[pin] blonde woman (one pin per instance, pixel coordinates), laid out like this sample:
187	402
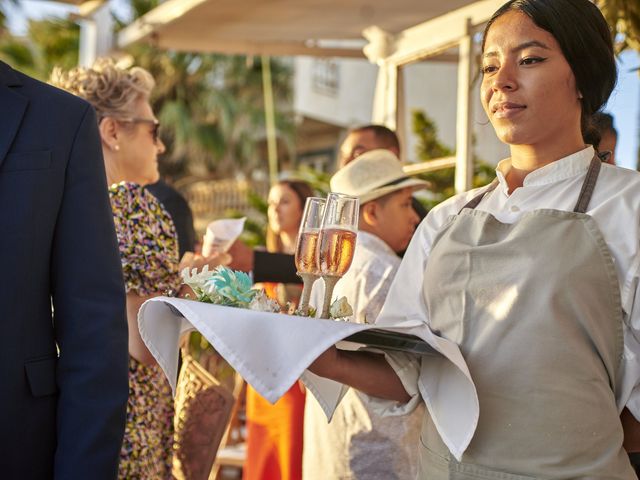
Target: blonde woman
147	242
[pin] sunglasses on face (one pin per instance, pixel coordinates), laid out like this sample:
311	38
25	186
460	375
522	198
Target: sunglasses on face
155	133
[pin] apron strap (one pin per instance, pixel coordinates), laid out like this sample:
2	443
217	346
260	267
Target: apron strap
475	201
589	185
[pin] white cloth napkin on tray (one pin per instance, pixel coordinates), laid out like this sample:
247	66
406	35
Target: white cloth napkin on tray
269	350
272	351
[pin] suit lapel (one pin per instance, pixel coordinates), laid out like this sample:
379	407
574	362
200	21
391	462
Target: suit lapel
13	106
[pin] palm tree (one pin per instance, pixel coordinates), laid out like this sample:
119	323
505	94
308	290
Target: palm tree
12	50
47	43
53	42
212	106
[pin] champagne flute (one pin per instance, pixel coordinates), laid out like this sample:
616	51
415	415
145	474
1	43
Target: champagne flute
306	257
337	241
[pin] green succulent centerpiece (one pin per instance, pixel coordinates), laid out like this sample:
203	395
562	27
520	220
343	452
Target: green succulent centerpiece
232	288
227	287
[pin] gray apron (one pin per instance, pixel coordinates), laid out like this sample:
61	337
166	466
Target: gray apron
535	308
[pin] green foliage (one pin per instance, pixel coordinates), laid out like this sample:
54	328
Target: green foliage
254	233
56	43
211	107
258	203
17	54
48	43
430	147
140	7
624	18
318	180
255	227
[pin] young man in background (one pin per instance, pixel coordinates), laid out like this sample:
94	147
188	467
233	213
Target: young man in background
358	443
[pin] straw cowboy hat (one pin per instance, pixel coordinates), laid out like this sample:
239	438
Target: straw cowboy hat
372	175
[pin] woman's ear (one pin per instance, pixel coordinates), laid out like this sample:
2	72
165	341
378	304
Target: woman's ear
109	133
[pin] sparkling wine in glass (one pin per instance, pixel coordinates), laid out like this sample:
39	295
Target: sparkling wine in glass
336	242
306	256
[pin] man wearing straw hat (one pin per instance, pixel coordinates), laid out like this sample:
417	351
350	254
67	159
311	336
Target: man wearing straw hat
358	444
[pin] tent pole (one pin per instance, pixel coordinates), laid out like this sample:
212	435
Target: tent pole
270	119
464	153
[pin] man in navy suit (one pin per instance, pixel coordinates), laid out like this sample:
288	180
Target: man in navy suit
63	361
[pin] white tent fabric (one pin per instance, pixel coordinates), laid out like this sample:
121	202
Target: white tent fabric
277	27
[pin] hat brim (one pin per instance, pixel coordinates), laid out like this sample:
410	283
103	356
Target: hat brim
413	183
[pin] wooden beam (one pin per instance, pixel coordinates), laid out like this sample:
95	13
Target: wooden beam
88	8
435	36
464	152
429	165
161	15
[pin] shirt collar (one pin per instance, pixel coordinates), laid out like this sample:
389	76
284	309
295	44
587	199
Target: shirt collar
375	243
570	166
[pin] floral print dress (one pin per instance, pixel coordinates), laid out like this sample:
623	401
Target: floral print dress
149	255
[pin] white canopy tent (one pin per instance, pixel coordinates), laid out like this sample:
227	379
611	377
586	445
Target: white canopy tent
390	34
277	27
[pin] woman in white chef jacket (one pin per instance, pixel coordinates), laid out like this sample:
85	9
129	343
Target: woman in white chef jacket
534	277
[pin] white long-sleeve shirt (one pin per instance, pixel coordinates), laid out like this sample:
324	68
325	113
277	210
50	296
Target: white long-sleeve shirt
615	207
358	443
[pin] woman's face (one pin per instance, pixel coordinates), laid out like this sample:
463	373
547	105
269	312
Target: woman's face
284	210
528	89
139	148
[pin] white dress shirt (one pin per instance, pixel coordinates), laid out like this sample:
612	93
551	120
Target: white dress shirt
358	443
615	207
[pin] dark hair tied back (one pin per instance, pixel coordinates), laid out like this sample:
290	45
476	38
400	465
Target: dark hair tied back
586	42
301	188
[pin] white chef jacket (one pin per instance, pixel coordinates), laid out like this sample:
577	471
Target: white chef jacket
615	207
358	443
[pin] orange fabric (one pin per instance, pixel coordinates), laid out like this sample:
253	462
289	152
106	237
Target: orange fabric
274	436
274	432
270	289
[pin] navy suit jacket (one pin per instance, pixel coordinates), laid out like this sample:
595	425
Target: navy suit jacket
63	362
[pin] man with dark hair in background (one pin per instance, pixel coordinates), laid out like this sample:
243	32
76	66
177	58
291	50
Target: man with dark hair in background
603	136
608	135
371	137
363	139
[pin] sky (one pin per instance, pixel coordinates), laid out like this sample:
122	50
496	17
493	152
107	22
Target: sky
624	103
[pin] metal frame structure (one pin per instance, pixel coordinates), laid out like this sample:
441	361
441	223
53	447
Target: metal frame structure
454	30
